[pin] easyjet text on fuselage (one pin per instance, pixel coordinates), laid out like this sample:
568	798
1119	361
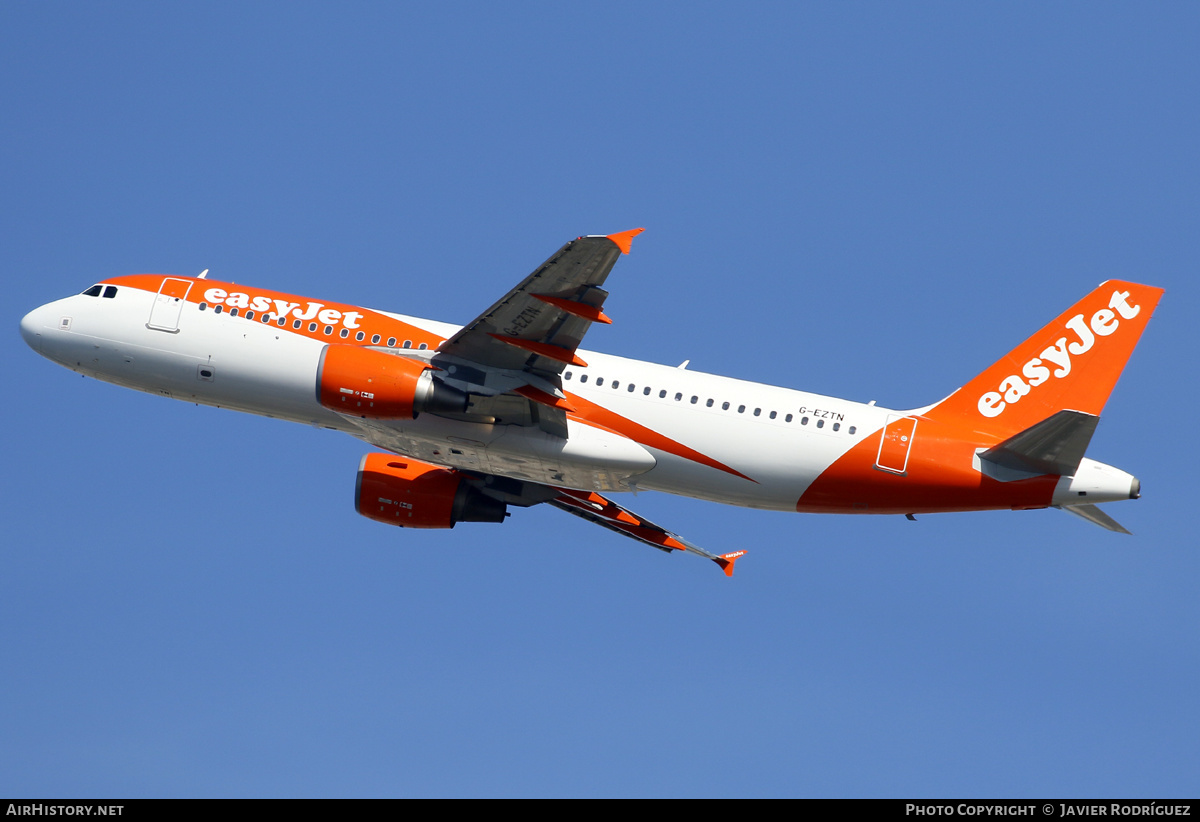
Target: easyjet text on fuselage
283	308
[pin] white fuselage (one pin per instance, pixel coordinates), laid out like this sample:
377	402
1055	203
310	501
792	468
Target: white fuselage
780	438
671	429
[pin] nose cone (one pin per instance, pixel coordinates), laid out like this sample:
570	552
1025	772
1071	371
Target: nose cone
32	326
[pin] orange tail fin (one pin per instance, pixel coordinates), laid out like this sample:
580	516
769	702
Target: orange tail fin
1072	363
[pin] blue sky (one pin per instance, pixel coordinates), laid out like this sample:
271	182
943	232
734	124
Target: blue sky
873	201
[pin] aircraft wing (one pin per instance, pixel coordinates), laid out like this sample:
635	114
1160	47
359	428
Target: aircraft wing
602	511
521	345
538	325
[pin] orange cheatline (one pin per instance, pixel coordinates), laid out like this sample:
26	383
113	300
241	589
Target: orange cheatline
543	398
595	414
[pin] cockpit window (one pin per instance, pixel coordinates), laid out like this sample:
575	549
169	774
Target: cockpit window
94	291
110	291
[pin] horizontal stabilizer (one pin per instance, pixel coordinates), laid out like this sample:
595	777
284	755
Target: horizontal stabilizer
1053	446
1093	514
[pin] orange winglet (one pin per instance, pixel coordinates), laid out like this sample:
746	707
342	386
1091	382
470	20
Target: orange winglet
587	312
554	352
726	561
624	239
539	396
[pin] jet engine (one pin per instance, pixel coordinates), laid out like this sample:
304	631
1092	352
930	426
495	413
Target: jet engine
368	383
400	491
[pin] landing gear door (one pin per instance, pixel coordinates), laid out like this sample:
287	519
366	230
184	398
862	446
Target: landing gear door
894	444
168	304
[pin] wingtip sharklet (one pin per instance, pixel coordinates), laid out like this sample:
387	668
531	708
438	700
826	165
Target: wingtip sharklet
624	239
726	561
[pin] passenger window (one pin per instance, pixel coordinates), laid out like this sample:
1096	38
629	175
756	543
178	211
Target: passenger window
741	409
646	391
694	398
820	423
662	394
422	347
616	384
345	333
282	322
328	330
249	314
203	306
296	324
266	318
217	309
375	339
233	312
773	415
583	377
678	396
312	326
599	380
360	336
94	291
724	406
757	411
851	430
110	291
788	418
631	387
391	343
804	420
407	343
566	375
709	403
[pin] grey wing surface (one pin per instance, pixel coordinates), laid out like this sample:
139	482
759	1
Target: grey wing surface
521	344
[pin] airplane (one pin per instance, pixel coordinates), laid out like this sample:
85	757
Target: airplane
508	410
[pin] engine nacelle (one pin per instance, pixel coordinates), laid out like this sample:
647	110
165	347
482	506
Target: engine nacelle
355	380
402	491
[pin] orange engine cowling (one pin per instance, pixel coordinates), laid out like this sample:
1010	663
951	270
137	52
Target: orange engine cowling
411	494
364	382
